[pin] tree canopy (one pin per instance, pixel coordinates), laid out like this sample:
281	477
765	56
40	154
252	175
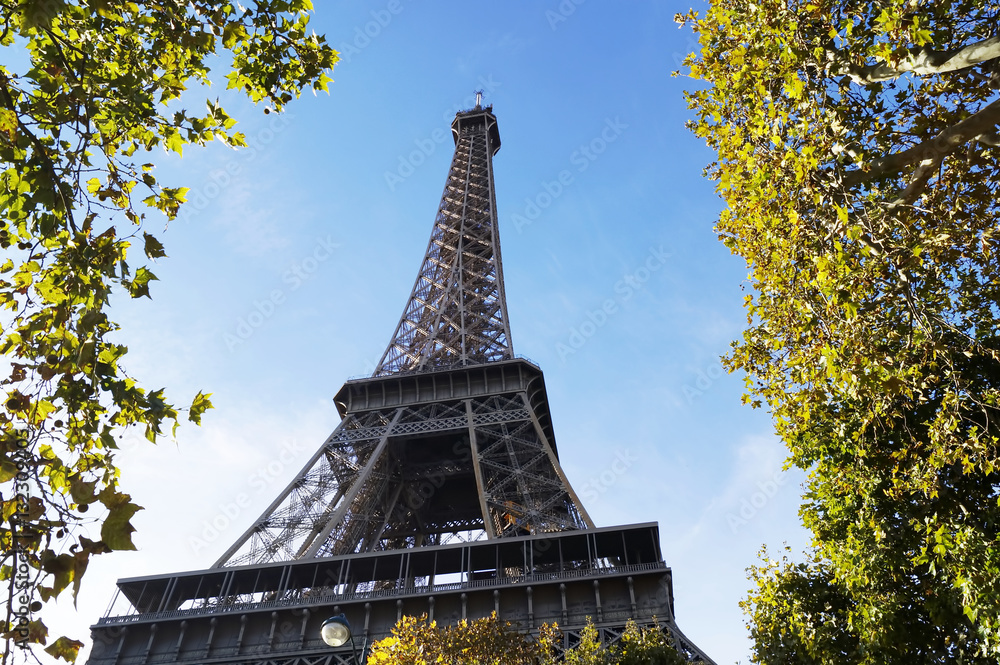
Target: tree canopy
857	157
492	641
90	91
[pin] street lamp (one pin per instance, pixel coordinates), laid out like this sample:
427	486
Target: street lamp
336	631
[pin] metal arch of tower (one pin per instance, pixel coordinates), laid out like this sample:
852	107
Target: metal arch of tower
457	311
421	459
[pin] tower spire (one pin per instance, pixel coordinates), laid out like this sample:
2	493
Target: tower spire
457	311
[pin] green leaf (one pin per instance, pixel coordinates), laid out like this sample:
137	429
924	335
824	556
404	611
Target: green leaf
65	648
61	567
8	470
117	530
232	33
8	122
199	406
81	491
153	247
174	142
139	285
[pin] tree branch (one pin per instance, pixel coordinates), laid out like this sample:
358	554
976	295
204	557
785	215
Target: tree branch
992	140
924	62
979	126
40	150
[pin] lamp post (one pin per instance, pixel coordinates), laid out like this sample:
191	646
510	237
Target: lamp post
336	631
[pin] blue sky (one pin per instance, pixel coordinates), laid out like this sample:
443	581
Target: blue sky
287	274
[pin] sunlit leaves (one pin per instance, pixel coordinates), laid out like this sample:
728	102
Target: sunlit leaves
64	648
199	406
873	317
421	642
88	99
490	641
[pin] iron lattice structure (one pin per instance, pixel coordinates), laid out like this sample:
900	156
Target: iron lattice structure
457	311
440	492
424	471
416	472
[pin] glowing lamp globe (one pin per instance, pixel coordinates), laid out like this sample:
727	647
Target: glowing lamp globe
336	631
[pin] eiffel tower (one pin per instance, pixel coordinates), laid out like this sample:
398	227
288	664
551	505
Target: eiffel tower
439	493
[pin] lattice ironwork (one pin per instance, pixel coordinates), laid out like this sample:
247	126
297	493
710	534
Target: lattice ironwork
524	488
418	475
304	509
429	473
457	312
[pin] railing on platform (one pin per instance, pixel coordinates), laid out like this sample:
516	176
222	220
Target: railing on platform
395	592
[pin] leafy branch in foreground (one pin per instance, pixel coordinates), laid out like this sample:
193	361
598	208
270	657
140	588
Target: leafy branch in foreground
857	154
100	87
493	641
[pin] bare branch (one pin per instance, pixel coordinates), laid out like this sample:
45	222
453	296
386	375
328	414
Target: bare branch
918	182
924	62
977	127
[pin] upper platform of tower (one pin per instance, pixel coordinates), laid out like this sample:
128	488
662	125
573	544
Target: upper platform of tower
474	118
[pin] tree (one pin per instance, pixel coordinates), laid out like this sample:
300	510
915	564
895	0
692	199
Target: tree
99	91
488	641
647	645
857	156
493	641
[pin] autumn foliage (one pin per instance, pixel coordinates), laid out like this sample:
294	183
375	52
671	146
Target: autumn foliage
90	92
857	157
491	641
